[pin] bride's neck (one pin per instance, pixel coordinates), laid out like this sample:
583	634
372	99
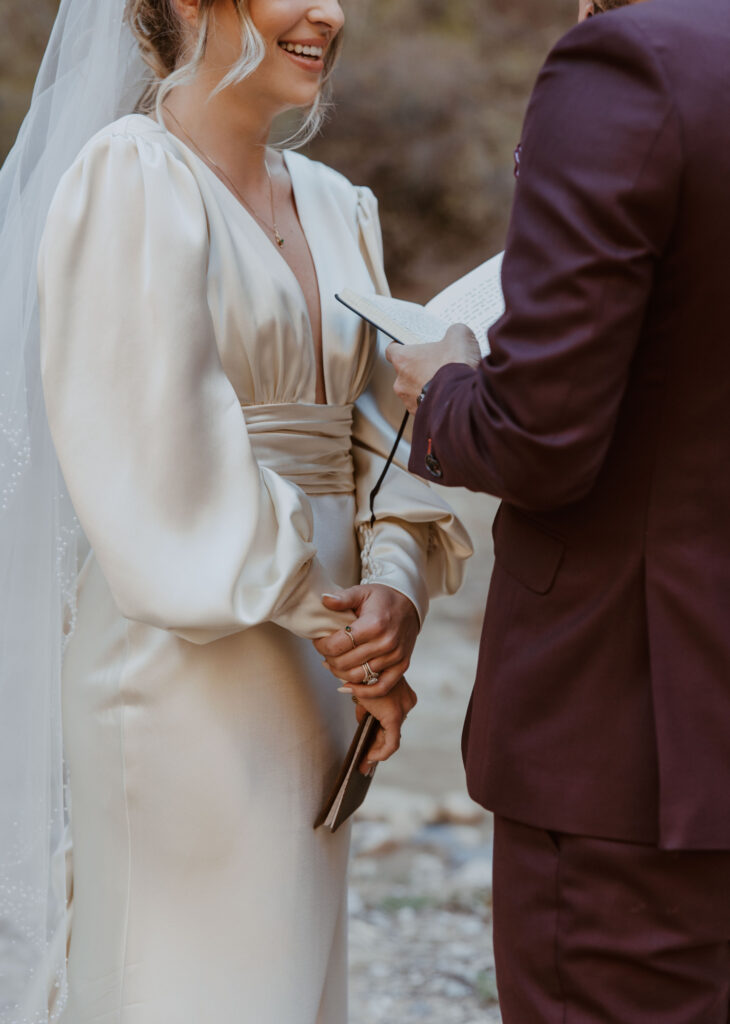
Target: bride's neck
230	132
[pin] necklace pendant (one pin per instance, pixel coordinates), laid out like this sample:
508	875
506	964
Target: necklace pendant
279	239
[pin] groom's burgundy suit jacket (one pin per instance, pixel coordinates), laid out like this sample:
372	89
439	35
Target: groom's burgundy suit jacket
602	419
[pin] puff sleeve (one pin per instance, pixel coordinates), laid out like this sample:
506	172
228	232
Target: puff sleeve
417	545
191	534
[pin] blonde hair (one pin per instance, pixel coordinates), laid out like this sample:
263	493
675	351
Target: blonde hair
162	40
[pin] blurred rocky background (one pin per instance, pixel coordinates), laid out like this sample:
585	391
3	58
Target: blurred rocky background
430	97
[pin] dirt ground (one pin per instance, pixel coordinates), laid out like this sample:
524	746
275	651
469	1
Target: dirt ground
420	889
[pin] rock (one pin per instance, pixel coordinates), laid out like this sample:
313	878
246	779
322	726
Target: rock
427	872
379	969
458	843
475	875
473	926
362	869
355	904
459	809
455	989
461	952
406	812
374	837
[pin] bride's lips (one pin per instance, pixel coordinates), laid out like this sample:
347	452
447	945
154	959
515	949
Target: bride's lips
305	53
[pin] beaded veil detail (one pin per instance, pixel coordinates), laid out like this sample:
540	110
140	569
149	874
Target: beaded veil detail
90	74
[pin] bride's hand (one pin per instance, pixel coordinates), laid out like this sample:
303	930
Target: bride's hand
383	636
391	712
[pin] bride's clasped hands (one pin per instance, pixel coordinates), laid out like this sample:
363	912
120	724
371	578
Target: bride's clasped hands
371	655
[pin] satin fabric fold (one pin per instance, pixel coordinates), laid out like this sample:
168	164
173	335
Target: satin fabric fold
309	445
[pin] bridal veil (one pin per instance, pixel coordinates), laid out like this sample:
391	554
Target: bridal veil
90	75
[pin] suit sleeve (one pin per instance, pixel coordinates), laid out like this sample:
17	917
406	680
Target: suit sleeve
594	209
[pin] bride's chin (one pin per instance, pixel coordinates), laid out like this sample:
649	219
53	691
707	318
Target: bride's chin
301	88
301	97
277	97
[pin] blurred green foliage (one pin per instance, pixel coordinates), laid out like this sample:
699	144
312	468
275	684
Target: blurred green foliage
429	100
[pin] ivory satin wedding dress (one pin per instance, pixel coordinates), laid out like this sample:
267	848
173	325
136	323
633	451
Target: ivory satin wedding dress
202	730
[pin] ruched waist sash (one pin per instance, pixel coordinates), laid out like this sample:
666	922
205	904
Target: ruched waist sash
308	444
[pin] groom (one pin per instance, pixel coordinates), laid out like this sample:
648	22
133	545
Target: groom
599	727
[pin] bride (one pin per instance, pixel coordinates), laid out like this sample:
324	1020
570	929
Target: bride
220	421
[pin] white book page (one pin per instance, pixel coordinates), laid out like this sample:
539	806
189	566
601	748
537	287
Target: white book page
407	322
475	300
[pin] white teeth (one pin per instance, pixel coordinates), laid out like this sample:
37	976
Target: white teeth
303	51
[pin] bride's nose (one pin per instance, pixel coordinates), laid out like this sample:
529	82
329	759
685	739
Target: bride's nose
329	13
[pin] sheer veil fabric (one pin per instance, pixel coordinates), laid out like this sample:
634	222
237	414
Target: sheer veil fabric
91	74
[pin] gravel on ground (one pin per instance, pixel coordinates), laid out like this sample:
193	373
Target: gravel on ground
421	870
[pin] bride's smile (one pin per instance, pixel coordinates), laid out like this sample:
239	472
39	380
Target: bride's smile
307	53
298	37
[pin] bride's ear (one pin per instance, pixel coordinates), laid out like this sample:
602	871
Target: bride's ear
587	10
188	10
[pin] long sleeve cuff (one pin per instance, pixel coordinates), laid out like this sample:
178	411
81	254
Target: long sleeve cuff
303	613
396	555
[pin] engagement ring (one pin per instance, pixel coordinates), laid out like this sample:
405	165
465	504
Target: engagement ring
370	676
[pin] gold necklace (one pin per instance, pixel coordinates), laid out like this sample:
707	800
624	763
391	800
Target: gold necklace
273	228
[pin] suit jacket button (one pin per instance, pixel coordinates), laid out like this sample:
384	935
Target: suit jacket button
434	466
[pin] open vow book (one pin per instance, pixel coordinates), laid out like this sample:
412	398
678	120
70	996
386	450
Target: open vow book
475	300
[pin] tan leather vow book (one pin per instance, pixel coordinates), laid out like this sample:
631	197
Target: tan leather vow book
351	787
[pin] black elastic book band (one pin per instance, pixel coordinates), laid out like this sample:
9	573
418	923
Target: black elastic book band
381	478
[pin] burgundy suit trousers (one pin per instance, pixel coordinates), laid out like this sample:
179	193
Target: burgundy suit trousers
590	931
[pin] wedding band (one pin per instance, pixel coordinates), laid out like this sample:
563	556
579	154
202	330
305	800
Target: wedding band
348	630
370	676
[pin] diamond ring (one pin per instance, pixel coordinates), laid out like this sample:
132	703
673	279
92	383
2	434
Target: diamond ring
370	676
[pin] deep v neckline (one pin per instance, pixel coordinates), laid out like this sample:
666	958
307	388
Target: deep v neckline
278	257
316	267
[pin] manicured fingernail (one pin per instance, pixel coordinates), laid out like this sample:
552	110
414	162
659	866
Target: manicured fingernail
344	689
333	596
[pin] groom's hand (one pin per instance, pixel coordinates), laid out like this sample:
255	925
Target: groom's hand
415	365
